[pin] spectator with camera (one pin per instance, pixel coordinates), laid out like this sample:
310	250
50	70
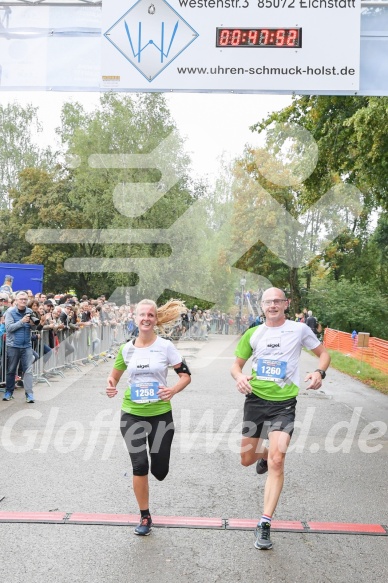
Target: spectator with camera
19	321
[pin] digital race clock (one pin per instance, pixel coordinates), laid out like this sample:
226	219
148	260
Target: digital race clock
284	38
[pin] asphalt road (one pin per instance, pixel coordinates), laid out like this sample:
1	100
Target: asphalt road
65	453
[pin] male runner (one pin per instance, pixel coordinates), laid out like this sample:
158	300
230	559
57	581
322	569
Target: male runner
271	390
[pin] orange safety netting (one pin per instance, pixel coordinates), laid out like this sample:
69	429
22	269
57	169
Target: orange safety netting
376	354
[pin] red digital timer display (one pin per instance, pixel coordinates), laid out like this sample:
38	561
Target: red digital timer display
281	38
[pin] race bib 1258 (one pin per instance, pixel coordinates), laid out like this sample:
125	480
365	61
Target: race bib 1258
145	392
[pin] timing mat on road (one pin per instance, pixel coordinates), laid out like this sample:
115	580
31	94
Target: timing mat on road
193	522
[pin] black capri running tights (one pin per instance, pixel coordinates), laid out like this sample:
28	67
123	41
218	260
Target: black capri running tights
159	431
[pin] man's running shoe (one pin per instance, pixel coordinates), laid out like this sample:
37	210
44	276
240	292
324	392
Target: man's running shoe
144	528
262	534
30	398
262	466
7	396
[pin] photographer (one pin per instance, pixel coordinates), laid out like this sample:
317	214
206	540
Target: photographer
19	320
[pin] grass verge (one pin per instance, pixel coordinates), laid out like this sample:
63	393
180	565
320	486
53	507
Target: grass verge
359	370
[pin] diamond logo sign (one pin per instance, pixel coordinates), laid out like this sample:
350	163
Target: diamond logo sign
150	35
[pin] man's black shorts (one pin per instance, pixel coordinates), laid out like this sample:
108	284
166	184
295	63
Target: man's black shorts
261	416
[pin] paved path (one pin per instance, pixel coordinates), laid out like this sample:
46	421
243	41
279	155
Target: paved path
65	454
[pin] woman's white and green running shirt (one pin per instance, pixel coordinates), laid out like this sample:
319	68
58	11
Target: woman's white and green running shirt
149	364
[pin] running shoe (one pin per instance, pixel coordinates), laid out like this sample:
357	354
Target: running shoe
30	398
262	466
7	396
144	528
262	534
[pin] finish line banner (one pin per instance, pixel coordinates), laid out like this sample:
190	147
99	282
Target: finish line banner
231	45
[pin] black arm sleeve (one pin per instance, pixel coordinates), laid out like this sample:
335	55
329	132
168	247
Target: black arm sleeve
183	368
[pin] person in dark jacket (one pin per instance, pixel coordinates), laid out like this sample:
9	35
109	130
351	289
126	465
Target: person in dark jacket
312	322
18	325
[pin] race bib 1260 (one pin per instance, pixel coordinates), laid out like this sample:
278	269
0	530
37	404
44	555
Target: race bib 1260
145	392
271	370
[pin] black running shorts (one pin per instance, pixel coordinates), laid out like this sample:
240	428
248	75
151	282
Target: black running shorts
261	416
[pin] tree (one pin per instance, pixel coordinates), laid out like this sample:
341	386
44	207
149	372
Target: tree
379	250
41	200
349	306
369	143
284	224
111	195
352	143
18	149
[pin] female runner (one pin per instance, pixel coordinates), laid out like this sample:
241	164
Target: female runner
146	410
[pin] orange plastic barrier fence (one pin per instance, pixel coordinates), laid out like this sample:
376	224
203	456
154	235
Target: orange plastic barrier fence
376	354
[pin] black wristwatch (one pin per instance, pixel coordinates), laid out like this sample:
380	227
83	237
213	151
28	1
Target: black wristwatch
321	372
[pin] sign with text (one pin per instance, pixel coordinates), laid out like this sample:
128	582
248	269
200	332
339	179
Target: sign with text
231	45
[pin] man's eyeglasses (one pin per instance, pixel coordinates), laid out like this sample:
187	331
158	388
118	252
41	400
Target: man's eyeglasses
276	302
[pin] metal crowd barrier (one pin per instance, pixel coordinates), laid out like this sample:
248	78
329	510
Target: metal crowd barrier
72	350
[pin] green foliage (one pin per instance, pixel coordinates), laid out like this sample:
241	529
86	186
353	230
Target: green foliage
348	306
287	242
41	200
350	133
17	146
82	196
137	126
369	143
351	276
379	249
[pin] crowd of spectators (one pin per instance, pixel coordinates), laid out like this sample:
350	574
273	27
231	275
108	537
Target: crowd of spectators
197	324
61	315
67	312
57	312
58	317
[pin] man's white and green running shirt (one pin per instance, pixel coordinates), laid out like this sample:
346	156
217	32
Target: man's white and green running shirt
275	355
